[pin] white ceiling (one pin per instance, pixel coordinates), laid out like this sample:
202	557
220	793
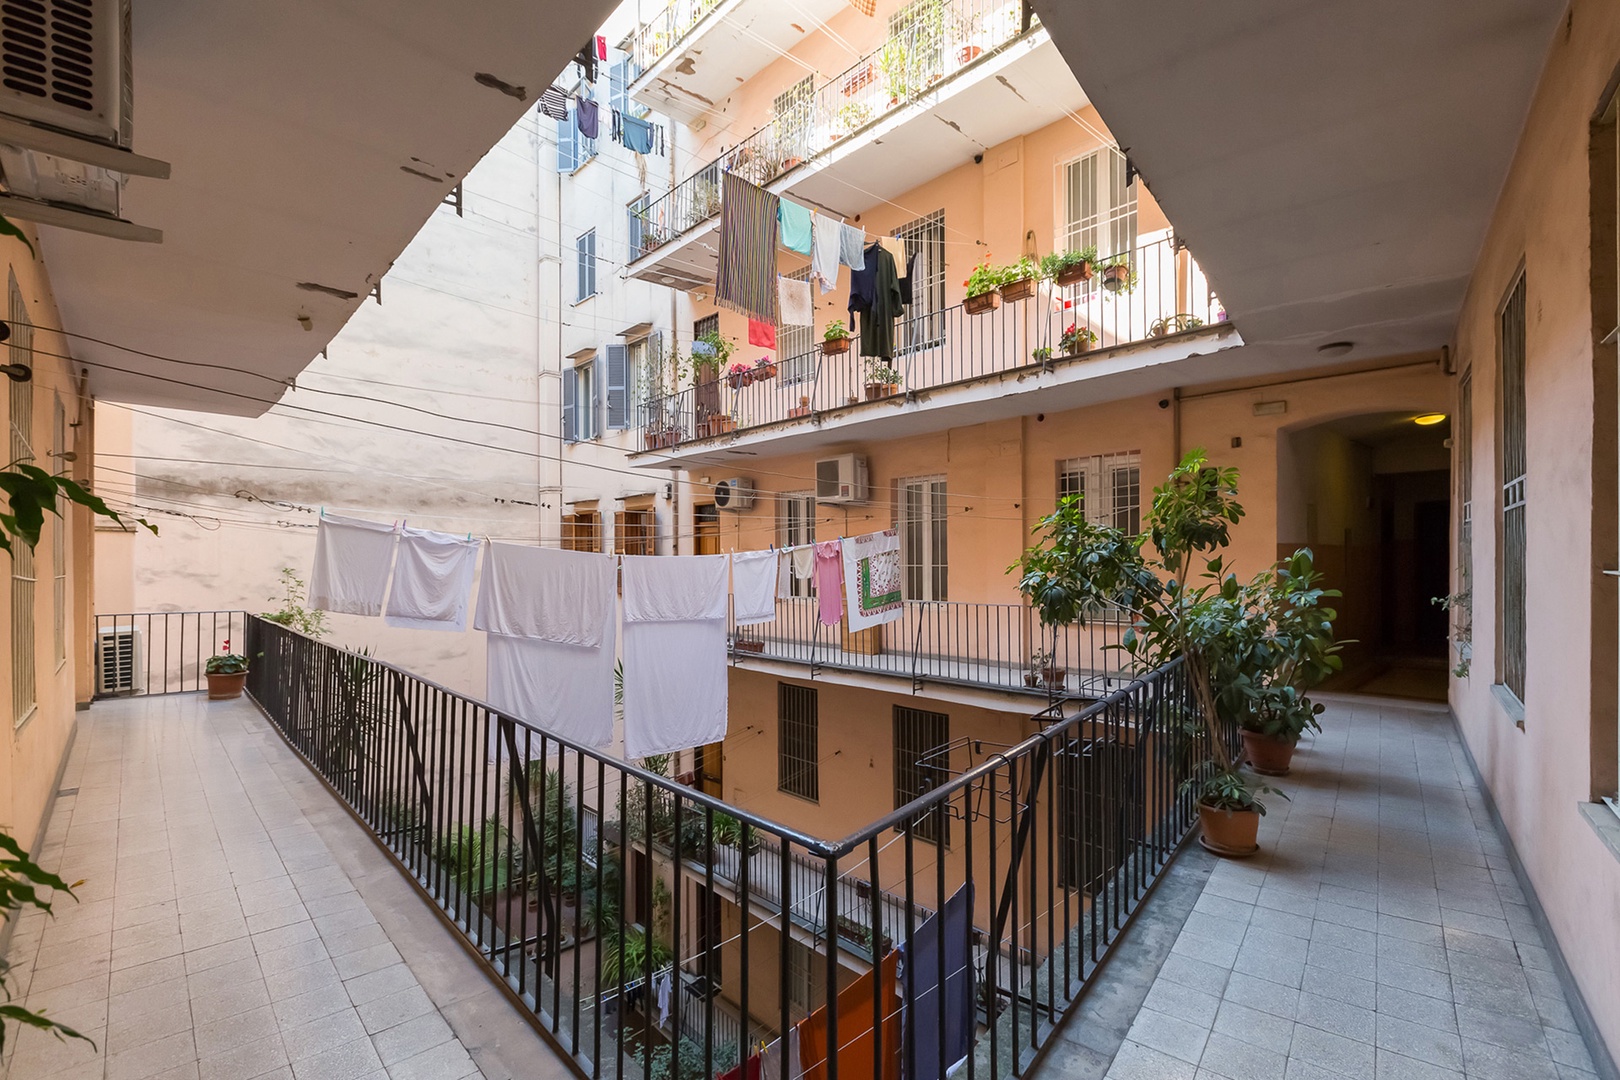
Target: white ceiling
290	127
1333	166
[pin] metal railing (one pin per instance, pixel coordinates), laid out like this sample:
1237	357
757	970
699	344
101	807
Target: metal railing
995	646
939	39
1061	836
1170	296
655	38
161	652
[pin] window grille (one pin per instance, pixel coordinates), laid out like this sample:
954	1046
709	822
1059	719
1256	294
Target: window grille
798	768
1095	795
23	647
1515	466
921	764
1109	487
923	324
1100	204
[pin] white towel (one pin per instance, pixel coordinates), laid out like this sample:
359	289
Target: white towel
433	575
753	587
795	301
872	579
804	561
352	562
545	593
827	238
565	690
674	652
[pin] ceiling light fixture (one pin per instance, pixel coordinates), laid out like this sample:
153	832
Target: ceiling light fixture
1429	419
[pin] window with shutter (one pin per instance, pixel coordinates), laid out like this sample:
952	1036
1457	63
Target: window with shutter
592	399
567	146
618	387
569	389
619	86
585	264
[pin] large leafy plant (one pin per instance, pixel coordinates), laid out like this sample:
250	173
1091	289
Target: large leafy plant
21	883
293	614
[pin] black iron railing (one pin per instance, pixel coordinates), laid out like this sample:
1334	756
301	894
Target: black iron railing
1055	325
161	652
577	877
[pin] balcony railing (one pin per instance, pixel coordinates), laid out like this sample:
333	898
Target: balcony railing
536	851
941	38
161	652
994	646
666	30
942	348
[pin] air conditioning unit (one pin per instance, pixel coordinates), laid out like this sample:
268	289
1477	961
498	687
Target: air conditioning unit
67	96
737	493
842	479
118	659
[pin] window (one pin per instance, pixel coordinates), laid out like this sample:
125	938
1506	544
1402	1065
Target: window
1100	206
59	534
705	529
709	324
585	265
1108	486
796	524
581	401
582	531
1095	795
1463	436
791	111
619	86
1515	466
923	325
616	391
635	532
573	149
798	768
637	222
922	538
801	979
797	347
921	764
23	673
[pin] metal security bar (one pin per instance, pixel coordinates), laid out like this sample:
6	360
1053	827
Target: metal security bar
580	879
162	652
1056	325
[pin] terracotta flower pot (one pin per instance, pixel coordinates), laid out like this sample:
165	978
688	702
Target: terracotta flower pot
876	390
967	54
985	301
1022	289
1233	833
1115	277
1074	275
224	687
835	346
749	646
1269	755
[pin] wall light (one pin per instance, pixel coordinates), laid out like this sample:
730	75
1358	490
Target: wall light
1429	419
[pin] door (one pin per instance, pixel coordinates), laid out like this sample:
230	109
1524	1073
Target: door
709	767
705	530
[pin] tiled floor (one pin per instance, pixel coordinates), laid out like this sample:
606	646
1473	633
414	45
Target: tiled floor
234	923
1380	933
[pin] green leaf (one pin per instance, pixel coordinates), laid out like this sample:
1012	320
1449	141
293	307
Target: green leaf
8	229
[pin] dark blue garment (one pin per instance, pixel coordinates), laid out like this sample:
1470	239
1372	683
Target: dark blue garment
926	1049
638	135
585	116
863	282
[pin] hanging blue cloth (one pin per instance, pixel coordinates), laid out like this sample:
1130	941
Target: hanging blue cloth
795	221
638	134
938	947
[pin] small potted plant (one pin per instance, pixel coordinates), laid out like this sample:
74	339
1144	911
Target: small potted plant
226	673
1229	808
802	409
1018	280
709	355
1117	275
1065	268
835	339
1043	672
852	117
1042	354
740	375
1077	339
764	369
747	645
882	380
983	287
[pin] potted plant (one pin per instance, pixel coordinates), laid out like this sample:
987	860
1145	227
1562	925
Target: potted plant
852	116
1018	280
967	54
1229	809
882	380
1117	275
226	673
739	375
835	339
895	63
983	288
1077	339
1042	354
764	369
802	409
709	355
1065	268
1043	672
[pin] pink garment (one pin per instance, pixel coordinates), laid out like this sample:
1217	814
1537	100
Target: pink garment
830	581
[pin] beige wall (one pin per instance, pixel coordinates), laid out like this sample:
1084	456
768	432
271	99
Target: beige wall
1541	772
32	753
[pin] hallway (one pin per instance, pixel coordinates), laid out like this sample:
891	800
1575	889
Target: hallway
1380	933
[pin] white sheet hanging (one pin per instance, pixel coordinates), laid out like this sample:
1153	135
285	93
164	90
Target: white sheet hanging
545	593
872	579
753	587
565	690
352	563
675	687
433	575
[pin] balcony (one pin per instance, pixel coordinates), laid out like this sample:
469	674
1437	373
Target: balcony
964	76
671	51
952	365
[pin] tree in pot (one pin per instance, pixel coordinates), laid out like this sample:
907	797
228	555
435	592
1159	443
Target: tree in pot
835	339
882	379
226	673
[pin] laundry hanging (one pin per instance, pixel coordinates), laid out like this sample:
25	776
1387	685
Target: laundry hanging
748	1070
872	579
745	280
855	1044
554	103
674	652
882	304
938	1029
829	581
795	221
908	280
585	116
353	559
896	248
433	576
826	242
797	304
564	690
545	593
753	587
852	250
781	1060
761	333
638	134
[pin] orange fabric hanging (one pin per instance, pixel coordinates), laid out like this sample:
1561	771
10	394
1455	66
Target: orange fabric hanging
855	1028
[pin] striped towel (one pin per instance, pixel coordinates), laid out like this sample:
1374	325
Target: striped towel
554	103
746	281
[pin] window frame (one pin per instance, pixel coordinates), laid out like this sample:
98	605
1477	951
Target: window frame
931	563
798	741
1513	467
1098	488
582	531
922	327
59	534
24	575
913	728
585	265
1113	229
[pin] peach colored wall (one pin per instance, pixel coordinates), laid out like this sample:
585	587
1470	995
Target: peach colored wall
1540	773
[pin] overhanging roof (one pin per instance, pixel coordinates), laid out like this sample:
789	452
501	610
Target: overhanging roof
309	143
1335	166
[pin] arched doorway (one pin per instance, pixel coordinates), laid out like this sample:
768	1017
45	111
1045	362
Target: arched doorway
1370	495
